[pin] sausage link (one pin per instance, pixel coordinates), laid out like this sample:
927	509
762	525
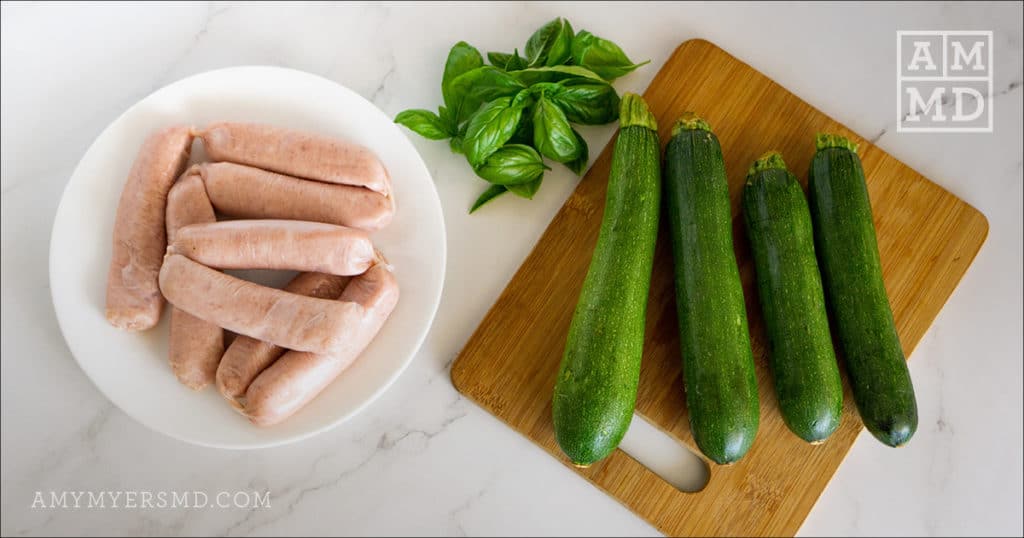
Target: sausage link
296	378
296	153
195	346
253	193
246	357
187	203
133	293
276	244
276	316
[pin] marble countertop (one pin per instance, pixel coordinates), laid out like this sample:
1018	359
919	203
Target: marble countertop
422	460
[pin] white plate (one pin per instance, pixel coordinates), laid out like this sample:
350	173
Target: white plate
131	368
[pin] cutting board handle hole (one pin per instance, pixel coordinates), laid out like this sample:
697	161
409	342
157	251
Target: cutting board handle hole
665	456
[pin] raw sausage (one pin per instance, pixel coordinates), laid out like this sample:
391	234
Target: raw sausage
195	346
194	350
133	294
296	378
276	244
246	357
187	203
252	193
276	316
296	153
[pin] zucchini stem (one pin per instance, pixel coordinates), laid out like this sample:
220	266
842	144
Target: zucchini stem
827	140
690	121
633	111
771	160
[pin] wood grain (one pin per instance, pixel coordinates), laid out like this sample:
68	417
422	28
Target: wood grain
927	239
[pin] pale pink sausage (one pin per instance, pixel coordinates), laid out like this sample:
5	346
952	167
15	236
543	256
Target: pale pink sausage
187	203
246	357
195	349
296	153
133	294
276	316
253	193
296	378
195	346
276	244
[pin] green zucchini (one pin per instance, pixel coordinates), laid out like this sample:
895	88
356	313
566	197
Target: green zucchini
595	393
802	360
718	365
844	234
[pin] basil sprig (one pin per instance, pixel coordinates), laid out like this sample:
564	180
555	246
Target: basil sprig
507	117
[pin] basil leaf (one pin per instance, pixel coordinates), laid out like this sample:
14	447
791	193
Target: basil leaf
476	87
526	190
561	49
586	101
491	193
579	164
462	58
507	62
448	120
499	59
490	128
553	36
516	63
554	73
456	141
456	144
601	56
524	134
512	164
523	99
552	135
542	87
423	122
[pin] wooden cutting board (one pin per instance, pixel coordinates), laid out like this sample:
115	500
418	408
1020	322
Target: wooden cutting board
927	238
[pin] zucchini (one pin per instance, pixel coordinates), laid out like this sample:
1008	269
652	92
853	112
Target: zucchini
851	271
595	392
802	360
718	365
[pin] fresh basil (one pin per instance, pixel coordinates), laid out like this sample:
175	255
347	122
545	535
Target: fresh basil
524	134
481	85
491	193
554	73
424	123
526	190
552	135
490	128
551	44
462	58
512	164
516	62
499	59
579	164
448	120
561	49
507	117
524	98
601	56
586	101
507	62
455	143
542	87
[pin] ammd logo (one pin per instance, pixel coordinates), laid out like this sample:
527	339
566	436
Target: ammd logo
944	81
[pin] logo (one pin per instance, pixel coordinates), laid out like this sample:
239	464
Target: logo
944	82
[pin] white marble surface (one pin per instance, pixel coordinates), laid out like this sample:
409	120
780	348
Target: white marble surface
422	460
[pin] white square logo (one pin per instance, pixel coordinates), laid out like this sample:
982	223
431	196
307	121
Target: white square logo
944	81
